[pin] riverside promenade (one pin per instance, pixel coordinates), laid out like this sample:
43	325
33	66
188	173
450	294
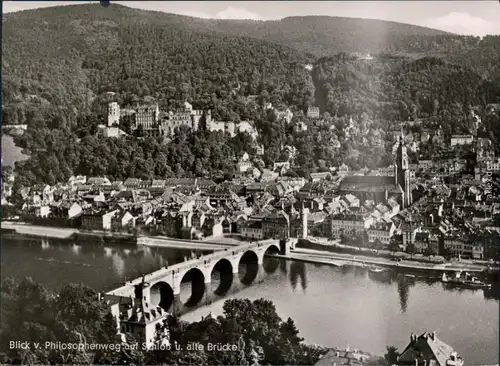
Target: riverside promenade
29	230
340	259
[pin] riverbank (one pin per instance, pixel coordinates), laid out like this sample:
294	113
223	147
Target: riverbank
36	230
19	229
334	246
338	260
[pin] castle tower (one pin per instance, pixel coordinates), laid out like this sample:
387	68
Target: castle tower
113	113
402	172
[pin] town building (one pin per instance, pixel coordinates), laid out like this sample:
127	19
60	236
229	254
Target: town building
427	349
300	126
484	149
252	230
461	140
313	112
186	116
381	232
138	319
113	114
97	220
276	226
350	224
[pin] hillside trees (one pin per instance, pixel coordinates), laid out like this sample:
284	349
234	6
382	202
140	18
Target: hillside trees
75	315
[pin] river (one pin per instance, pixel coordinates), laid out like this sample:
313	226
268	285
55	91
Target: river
330	306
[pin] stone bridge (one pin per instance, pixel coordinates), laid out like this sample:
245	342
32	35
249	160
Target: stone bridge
234	268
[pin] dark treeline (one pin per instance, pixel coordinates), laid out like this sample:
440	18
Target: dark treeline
31	312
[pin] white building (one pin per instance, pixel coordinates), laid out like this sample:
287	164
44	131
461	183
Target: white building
461	140
113	114
382	232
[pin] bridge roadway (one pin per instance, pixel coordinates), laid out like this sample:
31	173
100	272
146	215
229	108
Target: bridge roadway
199	272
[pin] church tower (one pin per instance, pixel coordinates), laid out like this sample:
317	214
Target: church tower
402	171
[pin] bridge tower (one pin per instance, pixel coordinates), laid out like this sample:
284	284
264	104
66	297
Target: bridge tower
303	220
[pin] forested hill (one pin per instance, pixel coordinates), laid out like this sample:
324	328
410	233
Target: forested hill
325	35
57	60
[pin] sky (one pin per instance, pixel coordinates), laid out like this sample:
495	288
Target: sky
474	17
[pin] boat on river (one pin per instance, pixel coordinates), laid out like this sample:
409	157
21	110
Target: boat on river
376	269
378	273
465	280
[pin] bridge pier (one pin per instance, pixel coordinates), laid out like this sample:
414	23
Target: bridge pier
177	305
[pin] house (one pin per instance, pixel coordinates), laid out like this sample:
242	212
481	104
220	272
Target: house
316	224
252	230
122	220
97	220
6	190
276	225
42	211
75	180
268	176
244	164
98	181
313	112
74	210
286	115
421	242
409	231
427	349
131	183
300	127
381	232
458	245
350	224
281	167
43	191
141	320
316	177
461	140
477	251
343	169
171	224
339	358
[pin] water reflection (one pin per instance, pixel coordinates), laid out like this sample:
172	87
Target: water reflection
76	248
492	293
52	261
45	244
283	267
298	272
108	252
404	284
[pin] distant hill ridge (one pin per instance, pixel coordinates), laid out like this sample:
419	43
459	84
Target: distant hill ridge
318	35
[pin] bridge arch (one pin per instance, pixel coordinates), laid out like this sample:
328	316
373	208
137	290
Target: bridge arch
270	264
162	294
248	267
221	274
192	295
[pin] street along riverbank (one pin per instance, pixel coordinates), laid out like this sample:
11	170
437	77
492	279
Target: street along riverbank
341	260
16	230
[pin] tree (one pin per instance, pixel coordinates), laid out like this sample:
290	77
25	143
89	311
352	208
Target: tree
392	355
